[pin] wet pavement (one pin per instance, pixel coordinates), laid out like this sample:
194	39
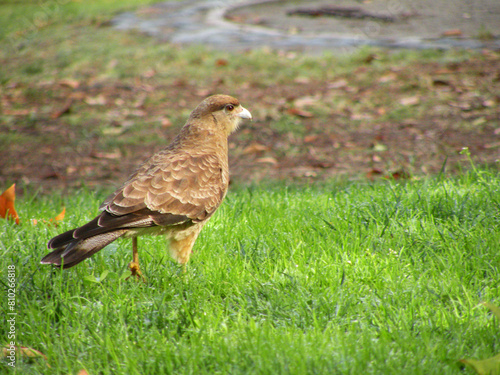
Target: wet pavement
242	25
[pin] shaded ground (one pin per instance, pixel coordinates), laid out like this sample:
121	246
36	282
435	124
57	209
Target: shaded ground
376	119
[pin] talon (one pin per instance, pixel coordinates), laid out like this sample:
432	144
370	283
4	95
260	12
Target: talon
134	265
135	271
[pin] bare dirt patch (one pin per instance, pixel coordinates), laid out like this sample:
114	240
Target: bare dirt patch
377	120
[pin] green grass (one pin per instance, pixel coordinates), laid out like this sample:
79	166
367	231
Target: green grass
378	278
339	278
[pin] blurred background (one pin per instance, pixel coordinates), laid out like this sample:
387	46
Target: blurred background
358	90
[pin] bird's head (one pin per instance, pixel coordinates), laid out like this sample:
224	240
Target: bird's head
224	110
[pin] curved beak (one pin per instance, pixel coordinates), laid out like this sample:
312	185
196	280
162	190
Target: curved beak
244	113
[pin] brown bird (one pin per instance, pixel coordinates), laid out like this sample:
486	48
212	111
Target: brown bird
173	193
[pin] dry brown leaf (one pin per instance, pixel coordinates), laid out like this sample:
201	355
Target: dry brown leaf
255	148
22	351
202	92
149	73
299	112
72	83
16	112
302	80
7	200
452	32
269	160
389	77
411	100
306	101
64	109
96	100
106	155
373	173
310	138
338	84
221	62
166	122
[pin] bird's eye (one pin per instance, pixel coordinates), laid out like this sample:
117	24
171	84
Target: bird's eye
229	107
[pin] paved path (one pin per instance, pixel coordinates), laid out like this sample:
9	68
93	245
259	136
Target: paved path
241	25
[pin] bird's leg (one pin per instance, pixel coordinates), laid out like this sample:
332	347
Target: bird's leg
134	265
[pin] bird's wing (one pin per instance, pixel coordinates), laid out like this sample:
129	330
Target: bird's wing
172	184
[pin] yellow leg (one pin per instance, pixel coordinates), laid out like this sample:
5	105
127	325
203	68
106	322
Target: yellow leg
134	267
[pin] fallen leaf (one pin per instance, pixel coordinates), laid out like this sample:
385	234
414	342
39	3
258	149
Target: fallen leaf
302	80
479	121
361	116
106	155
494	309
368	59
338	84
443	71
254	148
492	145
149	73
269	160
310	138
22	351
299	112
202	92
221	62
139	103
64	109
411	100
321	164
452	32
16	112
83	372
398	175
489	103
379	147
60	216
96	100
306	101
166	122
72	83
54	221
389	77
490	366
7	200
373	172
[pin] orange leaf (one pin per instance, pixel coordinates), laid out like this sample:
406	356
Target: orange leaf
60	216
299	112
54	220
7	204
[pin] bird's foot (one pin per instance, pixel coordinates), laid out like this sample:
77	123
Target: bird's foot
135	271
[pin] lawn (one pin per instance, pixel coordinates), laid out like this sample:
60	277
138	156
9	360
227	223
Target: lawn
315	263
372	278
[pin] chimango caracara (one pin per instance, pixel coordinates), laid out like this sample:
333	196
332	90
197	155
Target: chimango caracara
173	193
